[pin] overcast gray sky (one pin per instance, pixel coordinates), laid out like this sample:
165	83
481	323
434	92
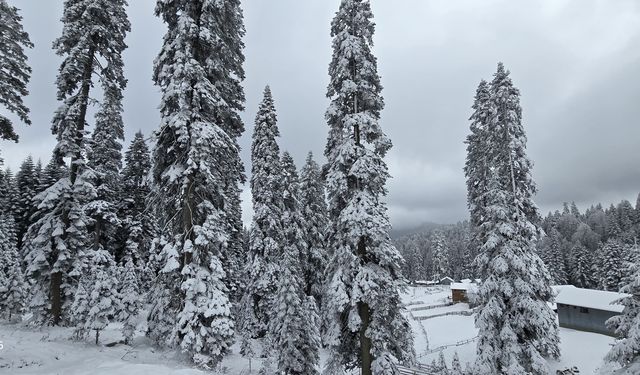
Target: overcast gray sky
576	63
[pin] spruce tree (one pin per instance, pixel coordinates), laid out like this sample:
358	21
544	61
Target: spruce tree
456	367
476	169
13	288
582	267
138	220
265	236
551	254
131	301
80	307
611	271
27	184
517	329
196	164
314	210
626	349
234	258
104	300
365	327
55	248
15	73
105	160
293	327
92	30
9	192
51	173
442	364
440	256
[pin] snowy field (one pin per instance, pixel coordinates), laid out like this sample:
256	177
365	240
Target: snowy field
581	349
50	351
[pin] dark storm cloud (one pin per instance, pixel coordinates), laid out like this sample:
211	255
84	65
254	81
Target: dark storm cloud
577	64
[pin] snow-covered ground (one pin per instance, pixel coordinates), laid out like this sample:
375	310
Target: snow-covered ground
581	349
50	351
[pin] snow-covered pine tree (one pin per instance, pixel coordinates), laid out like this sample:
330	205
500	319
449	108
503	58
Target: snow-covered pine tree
293	325
476	168
456	367
626	349
582	268
5	191
130	302
55	246
15	72
234	259
92	29
611	269
196	159
80	306
51	173
105	160
440	256
551	255
138	220
13	288
314	209
365	327
442	364
266	235
27	184
517	329
9	192
104	301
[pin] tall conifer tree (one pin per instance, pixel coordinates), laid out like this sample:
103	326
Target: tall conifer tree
92	29
365	326
293	326
265	236
476	166
314	210
138	220
196	171
517	329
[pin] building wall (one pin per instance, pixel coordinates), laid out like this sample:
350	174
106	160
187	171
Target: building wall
584	319
458	295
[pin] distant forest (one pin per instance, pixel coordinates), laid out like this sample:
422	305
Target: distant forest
592	249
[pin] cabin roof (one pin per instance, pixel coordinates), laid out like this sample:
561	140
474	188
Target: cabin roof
590	298
463	286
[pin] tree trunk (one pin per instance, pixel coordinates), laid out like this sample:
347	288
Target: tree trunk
363	308
84	102
97	335
365	317
56	277
56	297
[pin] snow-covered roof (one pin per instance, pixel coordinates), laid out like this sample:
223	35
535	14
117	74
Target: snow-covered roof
594	299
463	286
446	278
426	282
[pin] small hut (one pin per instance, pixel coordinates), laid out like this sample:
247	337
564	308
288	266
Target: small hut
460	291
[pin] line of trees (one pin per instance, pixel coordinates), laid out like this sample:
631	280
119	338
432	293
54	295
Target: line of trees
96	236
